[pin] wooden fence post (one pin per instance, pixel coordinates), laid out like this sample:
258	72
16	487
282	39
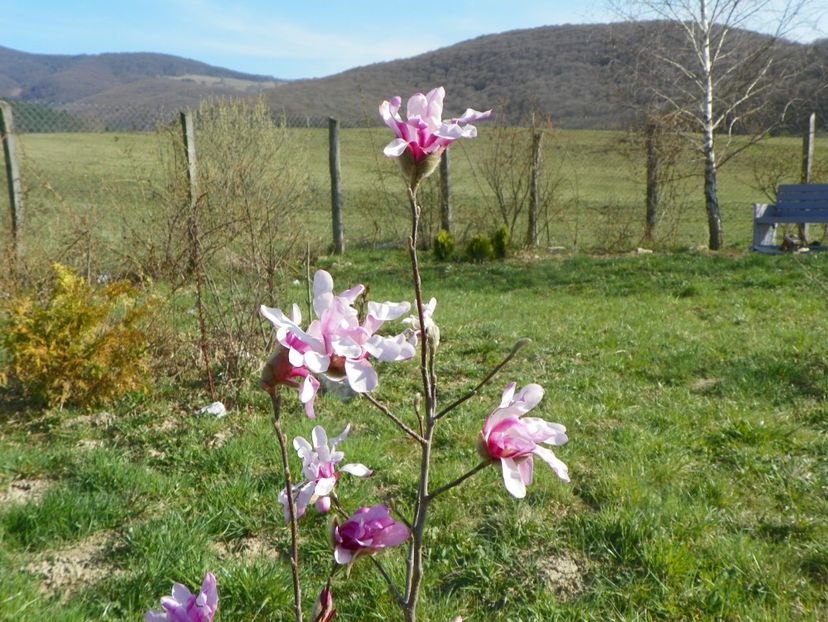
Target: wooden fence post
15	185
651	141
445	200
188	135
534	198
807	164
336	187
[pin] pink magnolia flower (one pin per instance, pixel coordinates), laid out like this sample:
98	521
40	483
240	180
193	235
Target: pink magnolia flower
368	531
319	467
336	344
424	132
513	439
279	369
184	606
432	330
323	610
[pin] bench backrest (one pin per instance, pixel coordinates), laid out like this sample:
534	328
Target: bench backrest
805	198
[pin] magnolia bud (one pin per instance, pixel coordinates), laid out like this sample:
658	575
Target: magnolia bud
433	335
415	171
323	610
482	449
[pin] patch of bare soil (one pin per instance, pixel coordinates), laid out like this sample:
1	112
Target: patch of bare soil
703	385
166	425
70	569
562	574
219	439
88	444
250	547
97	420
22	491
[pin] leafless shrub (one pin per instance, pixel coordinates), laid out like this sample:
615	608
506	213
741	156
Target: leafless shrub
504	175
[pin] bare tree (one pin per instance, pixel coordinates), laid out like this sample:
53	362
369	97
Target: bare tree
711	75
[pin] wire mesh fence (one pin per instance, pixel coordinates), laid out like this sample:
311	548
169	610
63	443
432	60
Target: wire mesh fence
34	117
102	187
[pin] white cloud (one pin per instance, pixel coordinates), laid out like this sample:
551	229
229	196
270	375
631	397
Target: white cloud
245	33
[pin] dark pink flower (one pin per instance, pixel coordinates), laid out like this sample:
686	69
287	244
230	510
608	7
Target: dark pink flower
513	439
368	531
320	467
335	344
324	610
424	132
183	606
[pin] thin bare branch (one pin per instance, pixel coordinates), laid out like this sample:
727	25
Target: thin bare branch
438	491
397	421
515	349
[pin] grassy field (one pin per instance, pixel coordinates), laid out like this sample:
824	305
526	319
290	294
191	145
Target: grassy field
693	388
597	204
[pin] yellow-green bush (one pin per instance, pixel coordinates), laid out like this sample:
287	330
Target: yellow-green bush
79	344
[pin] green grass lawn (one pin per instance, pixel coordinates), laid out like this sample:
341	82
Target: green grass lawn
598	202
694	392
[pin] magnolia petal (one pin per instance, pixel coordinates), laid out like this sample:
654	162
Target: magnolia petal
508	394
512	478
471	115
302	447
308	390
342	555
296	358
350	295
180	593
320	441
156	616
209	591
323	505
356	469
372	513
388	111
560	469
392	536
346	346
317	363
545	431
417	107
336	440
272	315
304	498
296	315
395	148
449	132
322	291
325	486
526	467
528	397
387	311
361	376
387	349
496	419
434	112
310	413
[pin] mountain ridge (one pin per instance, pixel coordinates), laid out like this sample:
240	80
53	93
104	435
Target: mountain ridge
578	75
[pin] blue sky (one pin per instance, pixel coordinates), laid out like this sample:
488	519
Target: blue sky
296	39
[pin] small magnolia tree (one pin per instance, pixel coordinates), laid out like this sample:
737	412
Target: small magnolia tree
340	347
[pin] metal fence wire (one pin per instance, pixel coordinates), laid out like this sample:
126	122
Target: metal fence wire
48	118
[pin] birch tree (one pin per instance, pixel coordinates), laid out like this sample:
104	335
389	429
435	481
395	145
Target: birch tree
712	76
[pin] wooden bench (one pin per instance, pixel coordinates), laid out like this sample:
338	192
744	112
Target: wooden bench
795	204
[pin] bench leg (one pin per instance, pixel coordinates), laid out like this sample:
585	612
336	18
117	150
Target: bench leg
764	235
802	228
